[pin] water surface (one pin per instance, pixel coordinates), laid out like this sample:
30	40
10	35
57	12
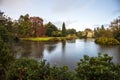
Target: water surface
65	53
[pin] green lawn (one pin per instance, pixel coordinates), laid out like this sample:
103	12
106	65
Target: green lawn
44	39
37	39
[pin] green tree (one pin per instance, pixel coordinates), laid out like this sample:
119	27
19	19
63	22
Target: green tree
71	31
115	27
102	32
63	30
56	33
6	28
79	34
102	27
24	26
50	29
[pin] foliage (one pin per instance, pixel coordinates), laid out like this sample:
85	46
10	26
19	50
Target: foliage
107	41
115	26
23	69
71	37
6	57
24	25
29	69
70	31
50	28
63	30
56	34
6	30
4	34
102	32
79	34
98	68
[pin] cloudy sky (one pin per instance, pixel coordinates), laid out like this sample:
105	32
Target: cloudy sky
78	14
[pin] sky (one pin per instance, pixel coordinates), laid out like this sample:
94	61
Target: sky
77	14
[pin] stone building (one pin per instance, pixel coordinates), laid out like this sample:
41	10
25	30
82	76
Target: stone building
88	33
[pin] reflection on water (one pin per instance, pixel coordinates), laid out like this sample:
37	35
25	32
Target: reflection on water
63	46
66	52
50	47
112	51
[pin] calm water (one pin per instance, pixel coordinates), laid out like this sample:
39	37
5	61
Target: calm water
64	53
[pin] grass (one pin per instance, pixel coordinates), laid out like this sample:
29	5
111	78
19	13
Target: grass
37	39
46	39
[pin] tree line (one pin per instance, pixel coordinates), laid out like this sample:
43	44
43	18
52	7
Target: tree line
110	35
23	27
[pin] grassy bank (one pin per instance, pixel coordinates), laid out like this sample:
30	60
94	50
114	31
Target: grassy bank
37	39
45	39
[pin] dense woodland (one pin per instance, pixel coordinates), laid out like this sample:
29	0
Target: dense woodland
88	68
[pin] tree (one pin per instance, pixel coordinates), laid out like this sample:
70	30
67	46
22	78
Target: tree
79	34
102	32
63	30
50	28
115	27
71	31
102	27
24	26
56	33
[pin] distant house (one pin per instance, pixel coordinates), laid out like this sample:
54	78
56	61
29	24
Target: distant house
38	30
88	33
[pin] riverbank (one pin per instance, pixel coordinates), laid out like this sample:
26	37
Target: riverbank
47	39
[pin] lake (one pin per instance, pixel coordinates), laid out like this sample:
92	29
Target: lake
64	53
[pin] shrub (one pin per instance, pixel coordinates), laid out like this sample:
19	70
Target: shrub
98	68
29	69
88	68
107	41
23	69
